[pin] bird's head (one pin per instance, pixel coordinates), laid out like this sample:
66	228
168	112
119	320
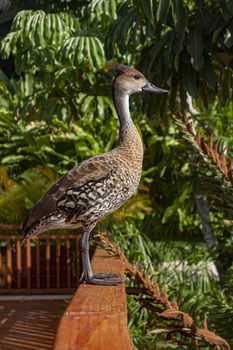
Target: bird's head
130	81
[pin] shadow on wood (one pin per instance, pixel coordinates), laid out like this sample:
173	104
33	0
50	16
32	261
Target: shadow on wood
29	325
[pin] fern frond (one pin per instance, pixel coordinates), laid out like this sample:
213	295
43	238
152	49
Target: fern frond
213	168
208	149
167	318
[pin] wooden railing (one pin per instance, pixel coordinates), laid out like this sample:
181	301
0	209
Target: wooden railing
96	318
44	264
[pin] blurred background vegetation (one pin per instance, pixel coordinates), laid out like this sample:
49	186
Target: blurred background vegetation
56	110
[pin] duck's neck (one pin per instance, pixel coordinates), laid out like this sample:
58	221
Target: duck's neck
127	127
129	139
122	107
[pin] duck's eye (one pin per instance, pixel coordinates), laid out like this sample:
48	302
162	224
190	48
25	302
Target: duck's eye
136	77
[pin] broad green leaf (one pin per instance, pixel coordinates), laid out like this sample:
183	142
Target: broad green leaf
209	74
127	22
148	7
155	51
81	51
71	22
178	14
188	76
162	10
178	46
21	19
14	159
8	44
120	29
86	105
166	57
195	47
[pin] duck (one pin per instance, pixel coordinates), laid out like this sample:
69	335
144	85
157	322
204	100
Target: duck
100	185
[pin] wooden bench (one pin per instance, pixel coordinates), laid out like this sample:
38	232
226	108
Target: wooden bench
96	318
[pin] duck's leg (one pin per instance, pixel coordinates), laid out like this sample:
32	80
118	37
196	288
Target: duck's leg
87	274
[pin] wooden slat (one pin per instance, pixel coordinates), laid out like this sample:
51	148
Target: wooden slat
10	227
18	263
58	256
96	318
28	263
25	252
38	263
47	263
9	263
68	262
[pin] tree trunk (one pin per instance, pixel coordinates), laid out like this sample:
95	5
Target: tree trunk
210	240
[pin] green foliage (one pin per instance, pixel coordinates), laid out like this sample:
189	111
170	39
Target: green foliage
70	54
56	111
57	145
183	268
17	197
187	45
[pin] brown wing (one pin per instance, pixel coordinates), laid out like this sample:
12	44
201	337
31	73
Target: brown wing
92	169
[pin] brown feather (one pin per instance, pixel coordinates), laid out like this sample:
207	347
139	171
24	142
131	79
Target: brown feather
92	169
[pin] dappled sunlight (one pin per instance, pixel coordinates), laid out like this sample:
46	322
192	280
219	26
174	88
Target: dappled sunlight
29	324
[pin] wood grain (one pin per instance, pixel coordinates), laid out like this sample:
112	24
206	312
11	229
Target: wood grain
96	318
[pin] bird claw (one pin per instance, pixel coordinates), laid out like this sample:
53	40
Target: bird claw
103	279
82	278
106	275
103	282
